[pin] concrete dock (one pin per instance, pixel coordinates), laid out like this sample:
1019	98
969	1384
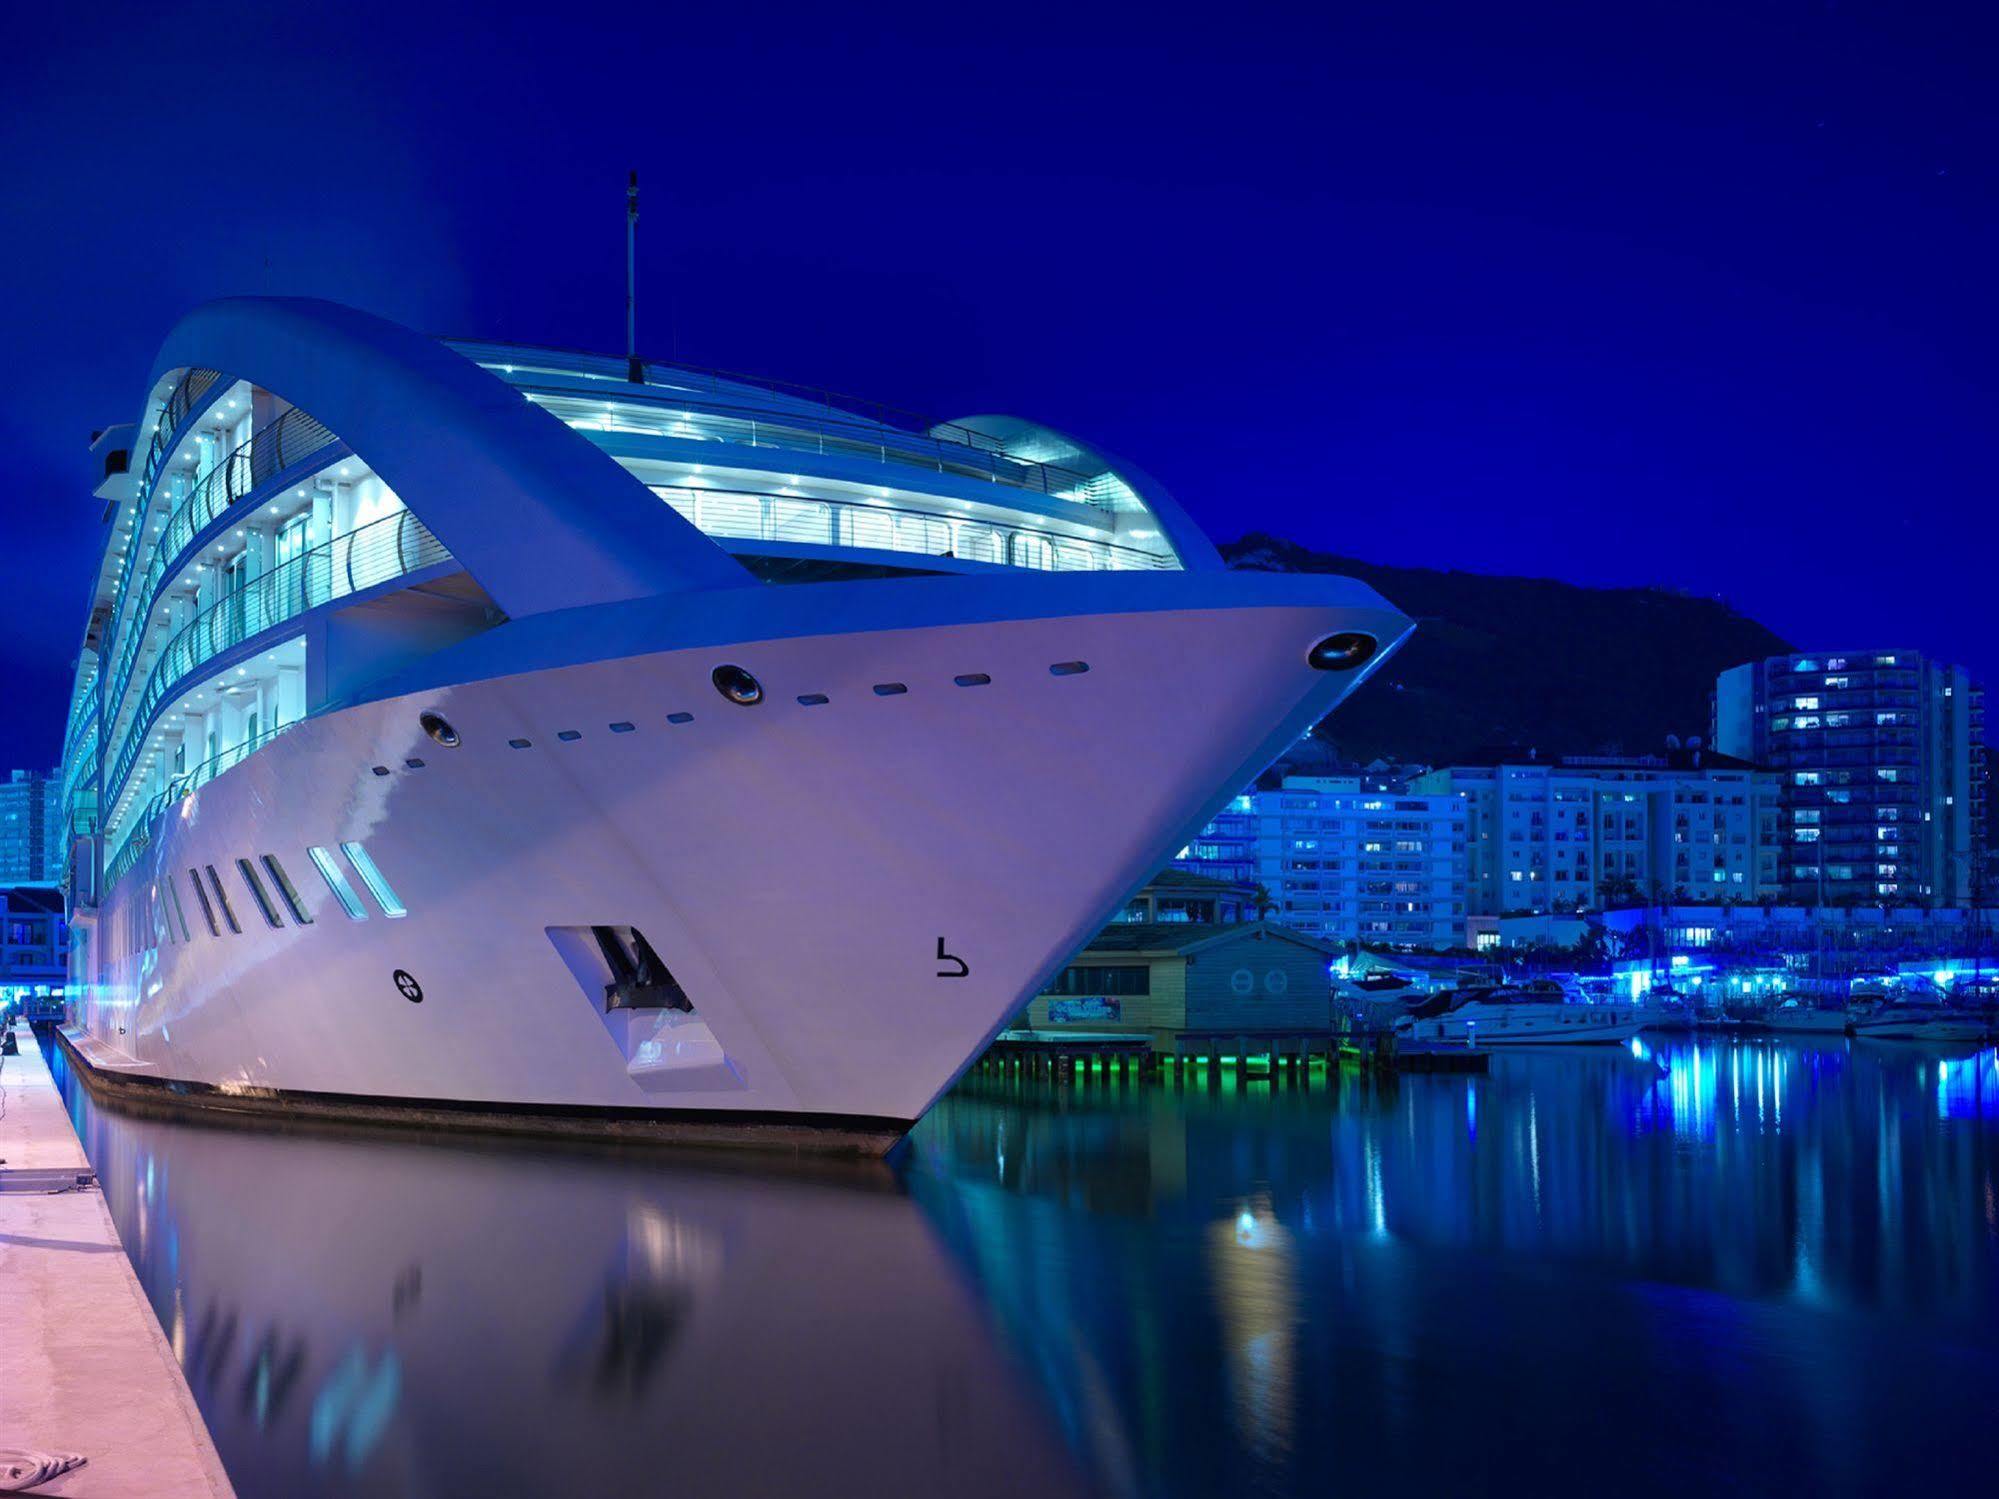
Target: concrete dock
84	1366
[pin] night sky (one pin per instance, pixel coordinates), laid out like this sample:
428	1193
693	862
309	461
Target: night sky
1695	295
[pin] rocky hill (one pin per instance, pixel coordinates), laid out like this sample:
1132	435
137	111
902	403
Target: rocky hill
1526	661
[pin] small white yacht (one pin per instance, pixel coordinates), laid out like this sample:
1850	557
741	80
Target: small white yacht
1536	1014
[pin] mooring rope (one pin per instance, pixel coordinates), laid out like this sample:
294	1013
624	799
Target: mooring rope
21	1470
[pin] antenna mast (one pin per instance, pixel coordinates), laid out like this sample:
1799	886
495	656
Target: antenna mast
634	370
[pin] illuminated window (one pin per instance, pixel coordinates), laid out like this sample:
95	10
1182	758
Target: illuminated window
180	912
372	878
337	883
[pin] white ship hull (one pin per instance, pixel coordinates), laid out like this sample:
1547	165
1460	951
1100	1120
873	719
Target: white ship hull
799	868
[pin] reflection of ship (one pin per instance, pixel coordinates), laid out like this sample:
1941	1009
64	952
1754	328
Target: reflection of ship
1539	1014
374	1315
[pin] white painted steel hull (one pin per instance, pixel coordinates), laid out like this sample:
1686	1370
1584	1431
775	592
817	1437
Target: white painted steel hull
796	867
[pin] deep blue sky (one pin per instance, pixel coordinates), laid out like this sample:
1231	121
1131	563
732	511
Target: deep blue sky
1691	294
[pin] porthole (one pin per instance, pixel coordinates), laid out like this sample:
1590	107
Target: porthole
737	685
890	689
812	699
381	770
520	744
1342	652
1068	668
973	679
680	718
568	736
438	730
621	727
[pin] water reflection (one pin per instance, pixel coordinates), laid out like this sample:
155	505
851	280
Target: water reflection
370	1315
1759	1264
1755	1266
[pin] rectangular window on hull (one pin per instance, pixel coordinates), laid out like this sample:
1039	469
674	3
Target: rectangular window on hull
288	890
180	912
337	883
258	894
222	900
372	878
207	910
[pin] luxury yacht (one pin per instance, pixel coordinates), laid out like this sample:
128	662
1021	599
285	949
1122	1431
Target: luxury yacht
484	735
1538	1013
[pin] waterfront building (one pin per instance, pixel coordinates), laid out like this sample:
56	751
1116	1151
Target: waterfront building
1883	771
1345	863
537	736
31	841
1876	934
1583	831
34	943
1166	980
1181	895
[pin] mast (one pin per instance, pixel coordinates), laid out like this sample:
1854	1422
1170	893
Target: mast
634	370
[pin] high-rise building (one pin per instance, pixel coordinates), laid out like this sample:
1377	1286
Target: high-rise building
1344	863
1586	831
30	829
1882	768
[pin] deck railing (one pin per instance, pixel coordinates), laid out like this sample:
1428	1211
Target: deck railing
376	553
193	386
141	837
705	418
285	443
886	528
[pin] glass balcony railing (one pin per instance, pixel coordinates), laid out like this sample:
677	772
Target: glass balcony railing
728	514
193	386
376	553
141	837
706	419
284	444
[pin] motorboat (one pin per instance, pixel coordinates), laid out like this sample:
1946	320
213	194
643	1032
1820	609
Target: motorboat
1535	1013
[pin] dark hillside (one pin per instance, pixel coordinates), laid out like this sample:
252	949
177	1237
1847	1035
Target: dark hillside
1526	661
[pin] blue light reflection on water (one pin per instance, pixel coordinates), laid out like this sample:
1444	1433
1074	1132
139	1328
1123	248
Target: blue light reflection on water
1759	1264
1753	1265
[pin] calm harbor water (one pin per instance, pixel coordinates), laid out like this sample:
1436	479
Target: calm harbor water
1746	1267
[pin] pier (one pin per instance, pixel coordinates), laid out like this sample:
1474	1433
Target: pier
84	1368
1062	1056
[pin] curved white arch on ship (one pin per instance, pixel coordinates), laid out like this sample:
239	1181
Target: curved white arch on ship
1049	445
540	516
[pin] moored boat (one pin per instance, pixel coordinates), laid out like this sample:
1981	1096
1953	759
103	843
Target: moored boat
1538	1014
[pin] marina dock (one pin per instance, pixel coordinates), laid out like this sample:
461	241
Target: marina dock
1065	1055
84	1367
